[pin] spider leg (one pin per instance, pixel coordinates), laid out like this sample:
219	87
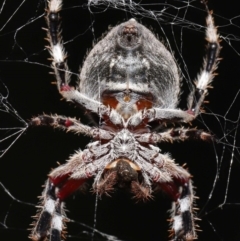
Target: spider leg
62	72
175	181
198	94
51	218
64	181
59	63
50	224
183	227
182	214
56	46
206	76
181	134
70	124
177	134
61	183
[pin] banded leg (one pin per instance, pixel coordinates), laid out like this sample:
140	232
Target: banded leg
56	46
59	63
50	224
51	217
70	124
192	134
202	83
179	188
211	61
177	134
182	214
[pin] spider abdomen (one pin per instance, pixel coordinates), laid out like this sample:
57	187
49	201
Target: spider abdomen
131	58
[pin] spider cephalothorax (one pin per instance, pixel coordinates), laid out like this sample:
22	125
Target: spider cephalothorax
131	82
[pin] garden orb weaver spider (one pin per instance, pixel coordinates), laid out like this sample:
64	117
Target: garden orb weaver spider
131	81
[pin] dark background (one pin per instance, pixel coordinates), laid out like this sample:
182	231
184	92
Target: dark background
23	169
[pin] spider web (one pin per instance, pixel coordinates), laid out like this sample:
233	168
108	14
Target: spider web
28	154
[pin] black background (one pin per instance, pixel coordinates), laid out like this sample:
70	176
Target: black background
23	169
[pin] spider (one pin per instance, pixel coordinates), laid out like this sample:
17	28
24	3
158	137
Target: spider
131	82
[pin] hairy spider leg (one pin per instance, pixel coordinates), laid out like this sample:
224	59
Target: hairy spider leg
59	63
171	135
70	124
56	46
182	215
51	218
210	64
202	83
63	76
64	181
62	72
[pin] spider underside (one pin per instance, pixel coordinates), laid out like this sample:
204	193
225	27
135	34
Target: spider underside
132	82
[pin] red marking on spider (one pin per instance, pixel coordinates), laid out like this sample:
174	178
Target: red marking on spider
65	88
68	123
69	188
